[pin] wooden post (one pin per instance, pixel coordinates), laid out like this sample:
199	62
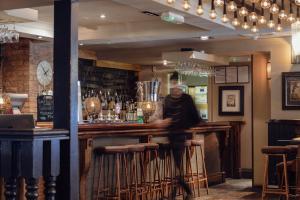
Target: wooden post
65	94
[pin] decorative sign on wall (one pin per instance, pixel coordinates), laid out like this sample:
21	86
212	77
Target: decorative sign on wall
45	108
232	74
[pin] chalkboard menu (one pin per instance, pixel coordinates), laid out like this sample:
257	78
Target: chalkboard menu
101	78
45	108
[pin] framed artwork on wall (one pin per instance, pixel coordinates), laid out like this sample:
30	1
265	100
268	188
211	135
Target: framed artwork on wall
291	91
231	100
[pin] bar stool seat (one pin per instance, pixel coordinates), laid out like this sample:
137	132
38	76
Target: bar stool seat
197	142
111	149
278	150
150	146
135	147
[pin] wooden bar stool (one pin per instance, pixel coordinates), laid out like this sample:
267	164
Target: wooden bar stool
277	152
152	181
136	171
200	174
110	165
167	168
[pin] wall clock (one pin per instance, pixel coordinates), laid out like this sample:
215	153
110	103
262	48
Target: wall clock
44	73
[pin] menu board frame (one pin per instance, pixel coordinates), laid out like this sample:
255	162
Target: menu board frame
232	74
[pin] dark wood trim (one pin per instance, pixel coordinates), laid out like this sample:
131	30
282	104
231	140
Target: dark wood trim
65	93
252	119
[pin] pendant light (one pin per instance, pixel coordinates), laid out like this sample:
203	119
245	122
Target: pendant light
291	17
224	18
212	13
253	15
243	10
274	9
254	28
245	24
235	21
265	4
282	15
170	1
271	23
231	6
219	3
200	8
186	5
279	27
297	2
262	18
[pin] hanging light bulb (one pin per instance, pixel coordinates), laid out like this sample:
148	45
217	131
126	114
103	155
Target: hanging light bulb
282	15
245	24
235	21
170	1
186	5
271	23
212	13
254	1
279	27
254	28
274	9
253	16
291	17
231	6
265	4
200	8
219	3
262	18
297	2
243	11
224	18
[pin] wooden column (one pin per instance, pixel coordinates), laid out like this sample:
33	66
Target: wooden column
65	94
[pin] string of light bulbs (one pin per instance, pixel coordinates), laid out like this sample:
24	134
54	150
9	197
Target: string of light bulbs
250	14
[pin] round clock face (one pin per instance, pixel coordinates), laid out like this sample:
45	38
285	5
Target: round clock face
44	73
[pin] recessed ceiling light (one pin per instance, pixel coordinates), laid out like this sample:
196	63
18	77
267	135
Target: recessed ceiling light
40	37
204	37
102	16
80	44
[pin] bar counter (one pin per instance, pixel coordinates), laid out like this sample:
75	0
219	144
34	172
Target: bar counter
218	138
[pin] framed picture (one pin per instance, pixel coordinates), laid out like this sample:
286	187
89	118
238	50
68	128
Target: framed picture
220	75
231	100
291	91
243	74
231	74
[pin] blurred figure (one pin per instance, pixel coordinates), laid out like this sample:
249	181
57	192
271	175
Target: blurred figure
179	114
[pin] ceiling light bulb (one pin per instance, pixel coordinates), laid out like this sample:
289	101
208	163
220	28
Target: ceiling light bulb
204	37
262	20
271	24
186	5
219	3
254	1
297	2
279	28
253	17
254	29
245	25
213	14
224	18
199	10
291	18
265	4
243	11
282	14
274	9
231	6
165	62
235	22
170	1
102	16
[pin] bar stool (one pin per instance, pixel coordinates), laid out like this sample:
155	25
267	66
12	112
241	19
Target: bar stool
167	168
136	171
201	175
279	152
112	165
151	167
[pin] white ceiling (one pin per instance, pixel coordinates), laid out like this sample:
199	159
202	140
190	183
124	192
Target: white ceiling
125	29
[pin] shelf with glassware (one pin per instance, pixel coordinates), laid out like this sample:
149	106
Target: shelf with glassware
110	107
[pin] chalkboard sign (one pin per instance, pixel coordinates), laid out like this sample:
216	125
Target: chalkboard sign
103	79
45	108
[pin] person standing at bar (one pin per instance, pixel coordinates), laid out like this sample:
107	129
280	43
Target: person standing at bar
180	114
